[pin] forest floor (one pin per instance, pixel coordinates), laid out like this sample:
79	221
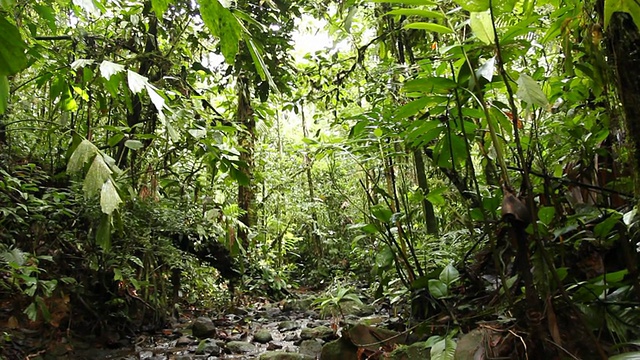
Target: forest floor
289	329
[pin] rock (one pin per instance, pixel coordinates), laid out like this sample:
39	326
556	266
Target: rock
320	332
418	350
312	348
297	305
281	355
291	336
288	325
240	347
263	336
208	347
203	327
341	349
469	344
144	355
184	340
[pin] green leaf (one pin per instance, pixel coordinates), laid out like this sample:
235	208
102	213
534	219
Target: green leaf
109	198
435	84
412	107
256	52
381	213
631	7
429	27
438	289
482	27
546	214
416	12
473	5
635	355
384	259
103	233
97	175
83	153
159	7
134	144
12	57
530	92
449	275
6	3
32	311
47	14
4	93
444	349
223	25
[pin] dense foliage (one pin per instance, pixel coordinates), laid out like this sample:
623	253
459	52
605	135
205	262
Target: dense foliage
474	159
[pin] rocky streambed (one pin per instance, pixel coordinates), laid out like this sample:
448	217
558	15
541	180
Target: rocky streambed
282	331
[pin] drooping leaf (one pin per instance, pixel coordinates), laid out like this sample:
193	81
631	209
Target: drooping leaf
4	93
98	173
12	56
109	198
136	81
630	7
156	99
103	233
159	7
223	25
487	69
416	12
83	153
107	69
80	63
258	60
482	27
530	91
429	27
546	214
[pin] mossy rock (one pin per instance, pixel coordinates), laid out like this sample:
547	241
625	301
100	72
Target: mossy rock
341	349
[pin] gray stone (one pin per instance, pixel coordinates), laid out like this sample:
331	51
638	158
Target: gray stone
320	332
298	304
281	355
203	327
208	347
341	349
288	325
312	348
263	336
240	347
184	340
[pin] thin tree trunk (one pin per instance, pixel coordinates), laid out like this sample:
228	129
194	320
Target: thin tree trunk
315	239
427	207
247	142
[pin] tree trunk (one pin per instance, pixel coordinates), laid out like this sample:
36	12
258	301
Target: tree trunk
427	207
315	239
247	141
